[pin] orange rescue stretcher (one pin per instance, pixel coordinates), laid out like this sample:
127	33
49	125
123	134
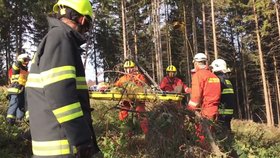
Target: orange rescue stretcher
136	96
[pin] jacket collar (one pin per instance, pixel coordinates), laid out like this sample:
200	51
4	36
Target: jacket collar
53	22
200	67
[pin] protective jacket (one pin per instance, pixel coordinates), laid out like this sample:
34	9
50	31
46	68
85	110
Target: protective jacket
227	102
136	78
206	92
133	81
170	84
18	78
57	95
227	105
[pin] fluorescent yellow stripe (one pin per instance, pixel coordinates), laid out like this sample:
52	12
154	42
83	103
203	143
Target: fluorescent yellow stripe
11	116
213	80
15	76
81	79
50	148
34	80
58	74
81	83
51	76
15	67
228	82
14	90
68	112
58	78
228	91
226	111
27	115
70	117
82	87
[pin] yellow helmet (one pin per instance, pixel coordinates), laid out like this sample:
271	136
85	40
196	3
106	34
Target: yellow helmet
81	6
171	68
129	64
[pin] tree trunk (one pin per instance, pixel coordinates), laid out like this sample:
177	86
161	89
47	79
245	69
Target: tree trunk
268	115
275	67
186	46
236	69
214	29
195	49
270	102
123	5
157	39
244	82
167	36
135	38
204	30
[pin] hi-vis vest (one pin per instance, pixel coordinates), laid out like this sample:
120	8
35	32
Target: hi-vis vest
18	78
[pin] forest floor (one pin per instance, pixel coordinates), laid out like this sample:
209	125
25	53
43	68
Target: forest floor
171	135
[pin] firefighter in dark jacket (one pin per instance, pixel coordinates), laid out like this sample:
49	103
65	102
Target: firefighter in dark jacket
227	103
16	89
57	93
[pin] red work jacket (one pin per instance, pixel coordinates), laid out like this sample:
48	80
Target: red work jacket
206	92
138	79
169	84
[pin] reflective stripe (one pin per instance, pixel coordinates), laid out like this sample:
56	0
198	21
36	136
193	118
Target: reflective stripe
15	76
27	115
15	67
228	82
34	80
226	111
213	80
228	91
14	90
81	83
51	148
68	112
193	103
51	76
58	74
11	116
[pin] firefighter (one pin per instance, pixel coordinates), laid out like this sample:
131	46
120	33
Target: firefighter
57	93
171	83
205	93
130	80
219	67
18	78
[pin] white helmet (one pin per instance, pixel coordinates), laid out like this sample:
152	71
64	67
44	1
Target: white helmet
22	57
200	57
219	65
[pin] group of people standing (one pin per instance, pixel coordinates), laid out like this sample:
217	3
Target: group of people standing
57	95
211	92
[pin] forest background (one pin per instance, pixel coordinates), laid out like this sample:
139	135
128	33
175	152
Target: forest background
157	33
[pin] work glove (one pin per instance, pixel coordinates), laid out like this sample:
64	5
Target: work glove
85	151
